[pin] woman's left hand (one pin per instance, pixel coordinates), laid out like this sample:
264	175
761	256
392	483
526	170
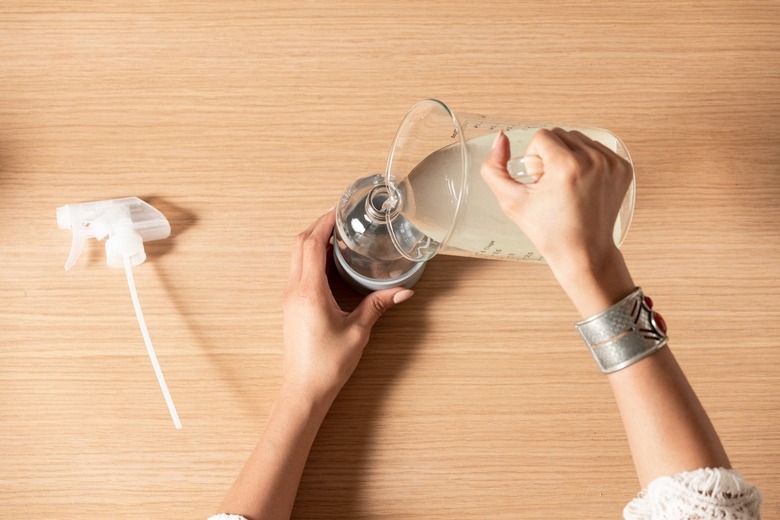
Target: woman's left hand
323	344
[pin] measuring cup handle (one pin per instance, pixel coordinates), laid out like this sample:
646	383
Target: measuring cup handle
526	169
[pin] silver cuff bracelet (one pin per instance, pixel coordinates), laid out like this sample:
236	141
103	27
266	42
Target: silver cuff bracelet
625	333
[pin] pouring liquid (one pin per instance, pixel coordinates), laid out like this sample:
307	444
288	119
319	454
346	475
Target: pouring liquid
481	229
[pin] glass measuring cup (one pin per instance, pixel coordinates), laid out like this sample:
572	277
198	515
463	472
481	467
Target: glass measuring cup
439	202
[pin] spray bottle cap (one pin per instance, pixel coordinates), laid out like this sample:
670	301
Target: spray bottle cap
127	222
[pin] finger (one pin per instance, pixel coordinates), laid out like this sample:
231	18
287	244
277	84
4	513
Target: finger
609	153
616	165
495	174
377	303
324	225
527	169
548	145
308	231
601	157
571	142
315	249
588	143
557	151
586	139
582	137
588	146
588	157
296	258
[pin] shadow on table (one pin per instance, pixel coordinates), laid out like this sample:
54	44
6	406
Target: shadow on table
338	470
181	221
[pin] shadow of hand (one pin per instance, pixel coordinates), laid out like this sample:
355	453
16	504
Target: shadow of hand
338	465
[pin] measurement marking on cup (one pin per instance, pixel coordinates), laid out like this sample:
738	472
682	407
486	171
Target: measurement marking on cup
488	247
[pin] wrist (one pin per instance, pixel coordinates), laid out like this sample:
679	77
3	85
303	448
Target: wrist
303	398
594	282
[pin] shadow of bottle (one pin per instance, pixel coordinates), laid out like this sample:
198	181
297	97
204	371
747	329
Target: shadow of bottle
337	470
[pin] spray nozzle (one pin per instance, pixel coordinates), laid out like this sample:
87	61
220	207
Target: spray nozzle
127	223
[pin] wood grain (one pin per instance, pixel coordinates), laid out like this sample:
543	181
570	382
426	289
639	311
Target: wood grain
243	121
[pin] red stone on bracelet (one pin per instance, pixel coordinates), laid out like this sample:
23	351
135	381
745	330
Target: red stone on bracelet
659	320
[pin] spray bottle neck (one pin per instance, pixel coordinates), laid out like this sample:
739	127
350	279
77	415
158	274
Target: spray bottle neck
381	205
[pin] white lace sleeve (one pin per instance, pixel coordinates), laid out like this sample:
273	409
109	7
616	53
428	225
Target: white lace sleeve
224	516
701	494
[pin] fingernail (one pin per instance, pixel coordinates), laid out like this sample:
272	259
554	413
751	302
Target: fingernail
402	296
331	208
495	141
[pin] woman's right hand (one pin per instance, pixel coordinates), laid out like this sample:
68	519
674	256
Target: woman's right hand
570	212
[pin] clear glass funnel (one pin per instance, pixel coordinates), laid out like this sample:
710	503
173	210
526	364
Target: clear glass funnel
438	201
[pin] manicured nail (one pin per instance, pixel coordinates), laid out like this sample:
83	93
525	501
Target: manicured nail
498	136
402	296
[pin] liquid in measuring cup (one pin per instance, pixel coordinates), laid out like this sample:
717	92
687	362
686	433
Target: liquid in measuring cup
482	229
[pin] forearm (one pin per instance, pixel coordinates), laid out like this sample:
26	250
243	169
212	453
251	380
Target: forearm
266	487
323	345
667	428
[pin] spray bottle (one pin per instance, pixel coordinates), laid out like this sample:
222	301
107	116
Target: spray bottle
128	223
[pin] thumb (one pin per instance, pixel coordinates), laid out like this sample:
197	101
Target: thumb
507	190
377	303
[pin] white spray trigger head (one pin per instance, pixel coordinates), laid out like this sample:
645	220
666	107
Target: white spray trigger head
127	222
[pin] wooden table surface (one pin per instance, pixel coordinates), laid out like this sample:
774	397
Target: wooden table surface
242	122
